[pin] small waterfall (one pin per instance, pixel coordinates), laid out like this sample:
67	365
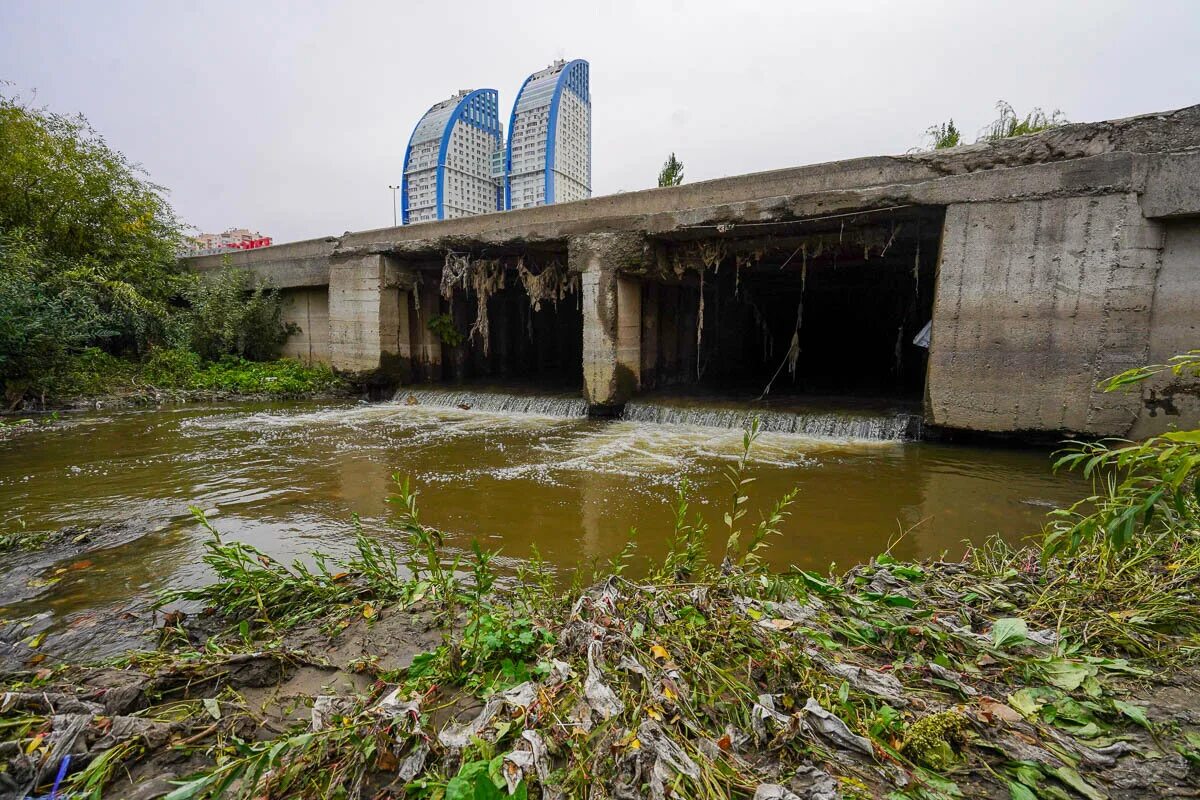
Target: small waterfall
495	402
881	426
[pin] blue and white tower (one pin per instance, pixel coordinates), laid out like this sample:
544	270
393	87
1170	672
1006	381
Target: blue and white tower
549	155
448	163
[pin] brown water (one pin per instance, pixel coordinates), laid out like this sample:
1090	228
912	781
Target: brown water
288	477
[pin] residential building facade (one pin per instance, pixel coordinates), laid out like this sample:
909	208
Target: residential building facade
448	161
548	158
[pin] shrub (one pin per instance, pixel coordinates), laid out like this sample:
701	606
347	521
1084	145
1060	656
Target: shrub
231	314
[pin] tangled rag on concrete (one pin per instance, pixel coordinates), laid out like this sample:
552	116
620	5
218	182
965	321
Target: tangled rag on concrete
553	283
483	277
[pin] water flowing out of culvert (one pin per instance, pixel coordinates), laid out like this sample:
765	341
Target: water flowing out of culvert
564	406
832	424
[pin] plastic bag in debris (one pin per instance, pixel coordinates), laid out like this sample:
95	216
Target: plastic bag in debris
669	758
880	684
327	707
560	672
520	696
456	737
809	783
764	712
602	596
155	734
952	677
393	707
831	728
414	762
528	756
600	696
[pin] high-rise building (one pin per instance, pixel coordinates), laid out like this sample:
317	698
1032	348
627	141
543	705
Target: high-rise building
448	163
549	154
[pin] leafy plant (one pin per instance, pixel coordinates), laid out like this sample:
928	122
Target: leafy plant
1144	489
944	136
442	326
232	314
253	586
1008	124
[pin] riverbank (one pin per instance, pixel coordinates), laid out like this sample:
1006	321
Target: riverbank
387	675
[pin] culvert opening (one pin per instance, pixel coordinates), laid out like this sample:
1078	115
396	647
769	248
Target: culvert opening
507	321
795	311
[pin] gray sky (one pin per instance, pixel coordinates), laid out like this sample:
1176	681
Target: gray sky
292	118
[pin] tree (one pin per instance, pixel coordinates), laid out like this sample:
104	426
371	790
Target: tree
672	172
90	229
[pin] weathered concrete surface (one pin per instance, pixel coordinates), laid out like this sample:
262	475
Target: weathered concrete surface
1066	256
369	297
308	309
1168	401
611	315
1022	335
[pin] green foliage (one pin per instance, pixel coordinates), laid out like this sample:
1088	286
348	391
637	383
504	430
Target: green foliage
671	173
253	586
62	184
1008	124
85	240
944	136
232	314
88	270
42	322
94	373
442	326
1143	490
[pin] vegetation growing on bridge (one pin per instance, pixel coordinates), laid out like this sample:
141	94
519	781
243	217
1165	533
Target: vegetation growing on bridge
89	279
1006	125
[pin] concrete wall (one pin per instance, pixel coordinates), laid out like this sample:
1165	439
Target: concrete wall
308	309
1168	401
1036	303
369	318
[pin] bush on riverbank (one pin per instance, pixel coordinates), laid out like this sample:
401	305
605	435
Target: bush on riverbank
181	373
88	265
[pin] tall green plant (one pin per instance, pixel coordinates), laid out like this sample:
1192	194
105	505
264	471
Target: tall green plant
1141	490
1008	124
232	314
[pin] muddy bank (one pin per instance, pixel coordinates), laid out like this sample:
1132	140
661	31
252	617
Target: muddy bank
898	679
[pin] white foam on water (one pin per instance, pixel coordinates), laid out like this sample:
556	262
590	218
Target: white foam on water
837	425
563	406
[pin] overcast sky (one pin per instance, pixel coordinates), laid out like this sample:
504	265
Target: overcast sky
292	118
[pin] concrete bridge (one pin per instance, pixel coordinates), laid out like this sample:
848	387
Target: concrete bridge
1044	263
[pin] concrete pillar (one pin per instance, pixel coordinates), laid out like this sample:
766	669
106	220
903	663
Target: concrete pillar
365	334
649	374
427	346
612	328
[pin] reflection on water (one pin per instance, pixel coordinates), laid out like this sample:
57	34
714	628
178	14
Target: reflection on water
288	477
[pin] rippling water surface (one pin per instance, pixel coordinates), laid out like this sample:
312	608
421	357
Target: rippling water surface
288	478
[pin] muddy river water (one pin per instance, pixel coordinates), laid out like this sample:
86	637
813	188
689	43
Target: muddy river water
511	472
